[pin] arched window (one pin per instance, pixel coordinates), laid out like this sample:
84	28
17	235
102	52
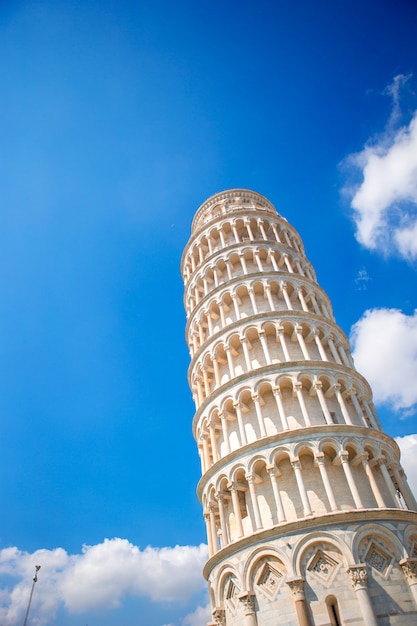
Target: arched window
333	610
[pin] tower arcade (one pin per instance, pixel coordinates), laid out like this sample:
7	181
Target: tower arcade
310	520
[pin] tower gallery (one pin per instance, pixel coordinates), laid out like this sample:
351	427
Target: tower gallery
310	520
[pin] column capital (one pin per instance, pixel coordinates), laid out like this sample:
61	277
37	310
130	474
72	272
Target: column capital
255	397
212	422
409	567
318	385
283	285
219	617
377	461
298	386
247	598
344	456
296	586
296	464
250	477
358	576
276	391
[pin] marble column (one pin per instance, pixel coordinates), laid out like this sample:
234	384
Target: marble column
248	601
359	577
296	586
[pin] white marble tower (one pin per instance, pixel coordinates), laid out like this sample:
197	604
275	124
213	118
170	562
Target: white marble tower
310	520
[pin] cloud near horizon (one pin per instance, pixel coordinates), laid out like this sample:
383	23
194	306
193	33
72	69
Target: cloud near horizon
103	575
98	578
384	203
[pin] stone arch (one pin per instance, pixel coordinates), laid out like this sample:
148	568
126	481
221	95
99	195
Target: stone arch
381	550
319	537
265	570
367	533
410	540
227	572
329	443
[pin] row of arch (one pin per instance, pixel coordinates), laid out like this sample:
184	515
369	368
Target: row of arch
332	579
262	344
278	404
233	201
241	264
293	481
238	231
241	301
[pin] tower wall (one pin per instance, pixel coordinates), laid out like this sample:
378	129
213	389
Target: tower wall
309	516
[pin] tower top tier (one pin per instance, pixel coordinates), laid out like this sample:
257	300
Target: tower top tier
229	201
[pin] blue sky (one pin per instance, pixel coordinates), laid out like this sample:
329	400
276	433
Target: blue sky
117	120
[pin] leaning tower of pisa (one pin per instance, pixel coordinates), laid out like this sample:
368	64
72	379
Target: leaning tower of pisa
310	520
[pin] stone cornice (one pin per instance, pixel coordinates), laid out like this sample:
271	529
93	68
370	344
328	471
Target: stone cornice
321	522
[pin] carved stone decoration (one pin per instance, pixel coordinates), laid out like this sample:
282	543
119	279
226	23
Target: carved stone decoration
322	565
409	567
269	580
248	601
378	559
358	576
219	617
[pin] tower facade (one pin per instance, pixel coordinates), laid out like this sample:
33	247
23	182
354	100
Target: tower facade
310	520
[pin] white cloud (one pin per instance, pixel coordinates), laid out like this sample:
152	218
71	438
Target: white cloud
385	202
385	351
199	617
408	447
98	578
